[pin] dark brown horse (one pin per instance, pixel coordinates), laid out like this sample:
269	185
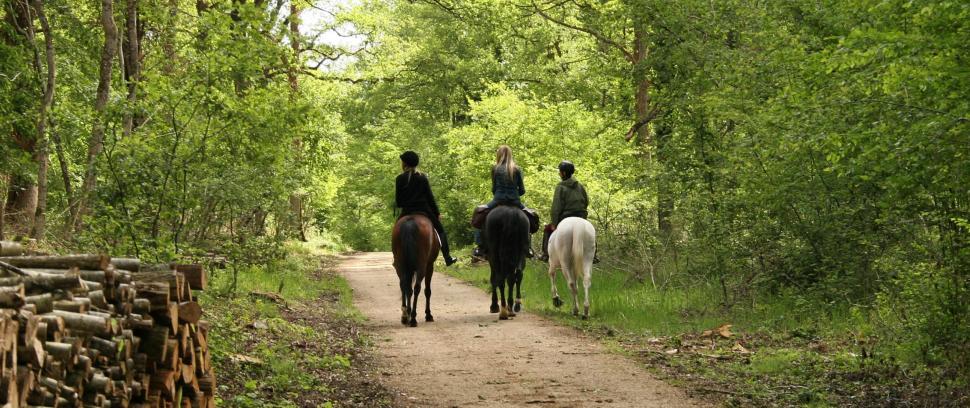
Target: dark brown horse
507	234
415	246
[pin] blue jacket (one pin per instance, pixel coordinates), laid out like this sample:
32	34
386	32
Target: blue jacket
505	188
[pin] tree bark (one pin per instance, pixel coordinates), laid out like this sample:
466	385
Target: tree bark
296	199
21	205
65	172
3	203
168	38
132	64
96	141
42	154
94	262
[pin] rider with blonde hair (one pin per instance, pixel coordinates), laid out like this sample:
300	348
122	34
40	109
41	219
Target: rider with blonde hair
507	189
507	184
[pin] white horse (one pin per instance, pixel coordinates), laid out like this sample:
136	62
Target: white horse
571	247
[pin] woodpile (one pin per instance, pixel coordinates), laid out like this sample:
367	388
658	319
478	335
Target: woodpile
92	331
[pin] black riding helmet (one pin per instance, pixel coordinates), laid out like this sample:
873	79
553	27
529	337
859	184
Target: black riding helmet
410	158
567	168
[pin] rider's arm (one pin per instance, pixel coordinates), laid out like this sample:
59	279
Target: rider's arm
397	191
519	182
431	200
554	217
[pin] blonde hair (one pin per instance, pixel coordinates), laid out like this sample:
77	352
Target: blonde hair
503	157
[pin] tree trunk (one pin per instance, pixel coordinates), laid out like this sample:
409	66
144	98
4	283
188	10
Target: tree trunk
296	199
21	205
96	141
42	150
665	194
168	38
132	64
62	161
3	203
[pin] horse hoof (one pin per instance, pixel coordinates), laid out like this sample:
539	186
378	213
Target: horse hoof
556	302
414	323
493	309
405	320
517	307
504	315
429	318
575	312
585	317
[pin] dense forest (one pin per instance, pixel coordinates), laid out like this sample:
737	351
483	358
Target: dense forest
814	149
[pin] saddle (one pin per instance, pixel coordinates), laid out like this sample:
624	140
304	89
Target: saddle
481	212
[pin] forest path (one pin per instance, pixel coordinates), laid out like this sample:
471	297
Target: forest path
468	358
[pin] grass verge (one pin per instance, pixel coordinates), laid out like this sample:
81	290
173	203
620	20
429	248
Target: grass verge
288	336
778	351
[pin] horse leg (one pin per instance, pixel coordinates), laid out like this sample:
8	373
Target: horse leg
511	284
518	289
427	298
573	289
586	282
494	307
552	280
504	313
405	297
414	303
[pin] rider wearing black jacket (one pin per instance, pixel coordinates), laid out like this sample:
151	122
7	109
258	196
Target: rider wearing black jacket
412	193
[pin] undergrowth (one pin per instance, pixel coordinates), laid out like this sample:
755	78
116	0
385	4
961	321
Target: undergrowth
786	349
287	336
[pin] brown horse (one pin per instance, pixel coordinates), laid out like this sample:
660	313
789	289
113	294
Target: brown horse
415	246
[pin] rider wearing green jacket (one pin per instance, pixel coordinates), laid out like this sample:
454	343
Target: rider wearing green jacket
569	200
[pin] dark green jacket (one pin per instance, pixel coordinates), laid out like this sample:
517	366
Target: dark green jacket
570	200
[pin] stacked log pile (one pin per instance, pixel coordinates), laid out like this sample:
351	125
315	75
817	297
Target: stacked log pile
91	331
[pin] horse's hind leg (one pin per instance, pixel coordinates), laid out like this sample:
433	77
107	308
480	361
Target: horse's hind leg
586	282
504	313
518	290
552	280
427	298
574	289
512	287
405	297
414	303
494	307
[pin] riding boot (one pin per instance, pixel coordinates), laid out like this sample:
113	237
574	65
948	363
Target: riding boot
546	233
445	252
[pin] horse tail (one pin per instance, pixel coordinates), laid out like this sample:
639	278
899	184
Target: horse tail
579	251
409	243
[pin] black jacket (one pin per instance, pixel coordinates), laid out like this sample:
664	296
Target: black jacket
412	192
505	188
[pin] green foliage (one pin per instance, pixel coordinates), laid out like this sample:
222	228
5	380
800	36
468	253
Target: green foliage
266	356
814	151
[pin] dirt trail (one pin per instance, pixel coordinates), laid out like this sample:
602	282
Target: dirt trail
468	358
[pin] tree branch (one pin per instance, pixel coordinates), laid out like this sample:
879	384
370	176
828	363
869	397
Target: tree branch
599	36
